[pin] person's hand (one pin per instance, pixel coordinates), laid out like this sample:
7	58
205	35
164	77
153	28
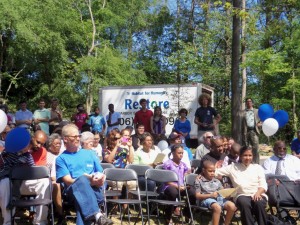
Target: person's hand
129	143
97	180
214	194
257	197
198	177
181	188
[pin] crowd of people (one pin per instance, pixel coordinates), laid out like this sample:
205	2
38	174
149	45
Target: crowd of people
73	150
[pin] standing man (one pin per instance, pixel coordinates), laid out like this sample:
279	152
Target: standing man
42	116
97	122
113	118
80	117
23	116
250	128
81	173
143	116
55	115
206	117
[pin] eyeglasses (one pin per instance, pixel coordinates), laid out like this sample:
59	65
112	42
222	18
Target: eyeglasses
74	136
96	139
209	136
116	138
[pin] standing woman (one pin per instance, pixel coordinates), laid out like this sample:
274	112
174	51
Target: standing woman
250	181
182	125
158	124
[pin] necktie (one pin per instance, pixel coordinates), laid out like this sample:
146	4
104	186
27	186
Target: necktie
279	167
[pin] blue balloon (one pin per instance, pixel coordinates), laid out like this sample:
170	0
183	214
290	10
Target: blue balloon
282	117
17	139
265	111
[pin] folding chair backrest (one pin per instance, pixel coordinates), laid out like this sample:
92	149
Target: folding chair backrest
195	163
29	173
117	174
190	179
161	176
159	167
139	169
107	165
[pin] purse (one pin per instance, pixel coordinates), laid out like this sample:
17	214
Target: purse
283	192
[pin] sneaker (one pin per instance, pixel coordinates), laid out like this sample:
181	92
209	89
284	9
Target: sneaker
103	220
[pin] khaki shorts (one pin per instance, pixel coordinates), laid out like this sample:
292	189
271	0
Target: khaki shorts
130	185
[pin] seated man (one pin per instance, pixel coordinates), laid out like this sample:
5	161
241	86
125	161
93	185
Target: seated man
204	147
80	171
216	154
282	163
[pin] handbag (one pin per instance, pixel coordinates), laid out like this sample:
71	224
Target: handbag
283	192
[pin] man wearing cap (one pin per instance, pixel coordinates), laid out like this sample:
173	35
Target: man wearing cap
175	138
295	145
14	154
81	173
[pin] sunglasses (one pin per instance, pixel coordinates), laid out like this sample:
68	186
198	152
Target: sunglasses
209	136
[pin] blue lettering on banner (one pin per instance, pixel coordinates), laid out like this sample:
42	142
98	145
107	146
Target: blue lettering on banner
129	104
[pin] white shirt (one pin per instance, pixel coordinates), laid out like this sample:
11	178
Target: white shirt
290	166
185	157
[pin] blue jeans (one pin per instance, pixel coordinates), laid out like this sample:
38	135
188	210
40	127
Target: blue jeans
142	184
86	198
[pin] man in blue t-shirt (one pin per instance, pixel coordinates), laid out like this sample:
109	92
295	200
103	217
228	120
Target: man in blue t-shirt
295	146
97	122
81	173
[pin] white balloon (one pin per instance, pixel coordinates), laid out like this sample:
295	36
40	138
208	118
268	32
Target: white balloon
162	145
270	126
3	120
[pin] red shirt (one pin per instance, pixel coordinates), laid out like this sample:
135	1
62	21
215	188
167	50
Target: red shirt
80	119
40	157
142	117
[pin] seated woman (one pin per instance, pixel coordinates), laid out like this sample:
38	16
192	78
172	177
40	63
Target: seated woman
145	155
53	147
119	152
249	179
171	189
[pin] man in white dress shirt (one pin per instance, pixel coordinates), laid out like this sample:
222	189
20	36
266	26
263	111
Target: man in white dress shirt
282	163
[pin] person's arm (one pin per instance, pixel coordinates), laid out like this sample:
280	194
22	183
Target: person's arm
258	195
151	124
295	154
197	121
130	156
111	156
164	123
201	196
217	119
68	180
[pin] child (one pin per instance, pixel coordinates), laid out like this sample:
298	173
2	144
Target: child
206	191
233	155
171	189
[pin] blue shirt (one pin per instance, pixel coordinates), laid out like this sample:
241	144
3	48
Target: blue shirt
97	123
76	164
184	127
295	146
23	115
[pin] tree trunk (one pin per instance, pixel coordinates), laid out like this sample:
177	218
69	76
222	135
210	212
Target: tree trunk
244	71
235	76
